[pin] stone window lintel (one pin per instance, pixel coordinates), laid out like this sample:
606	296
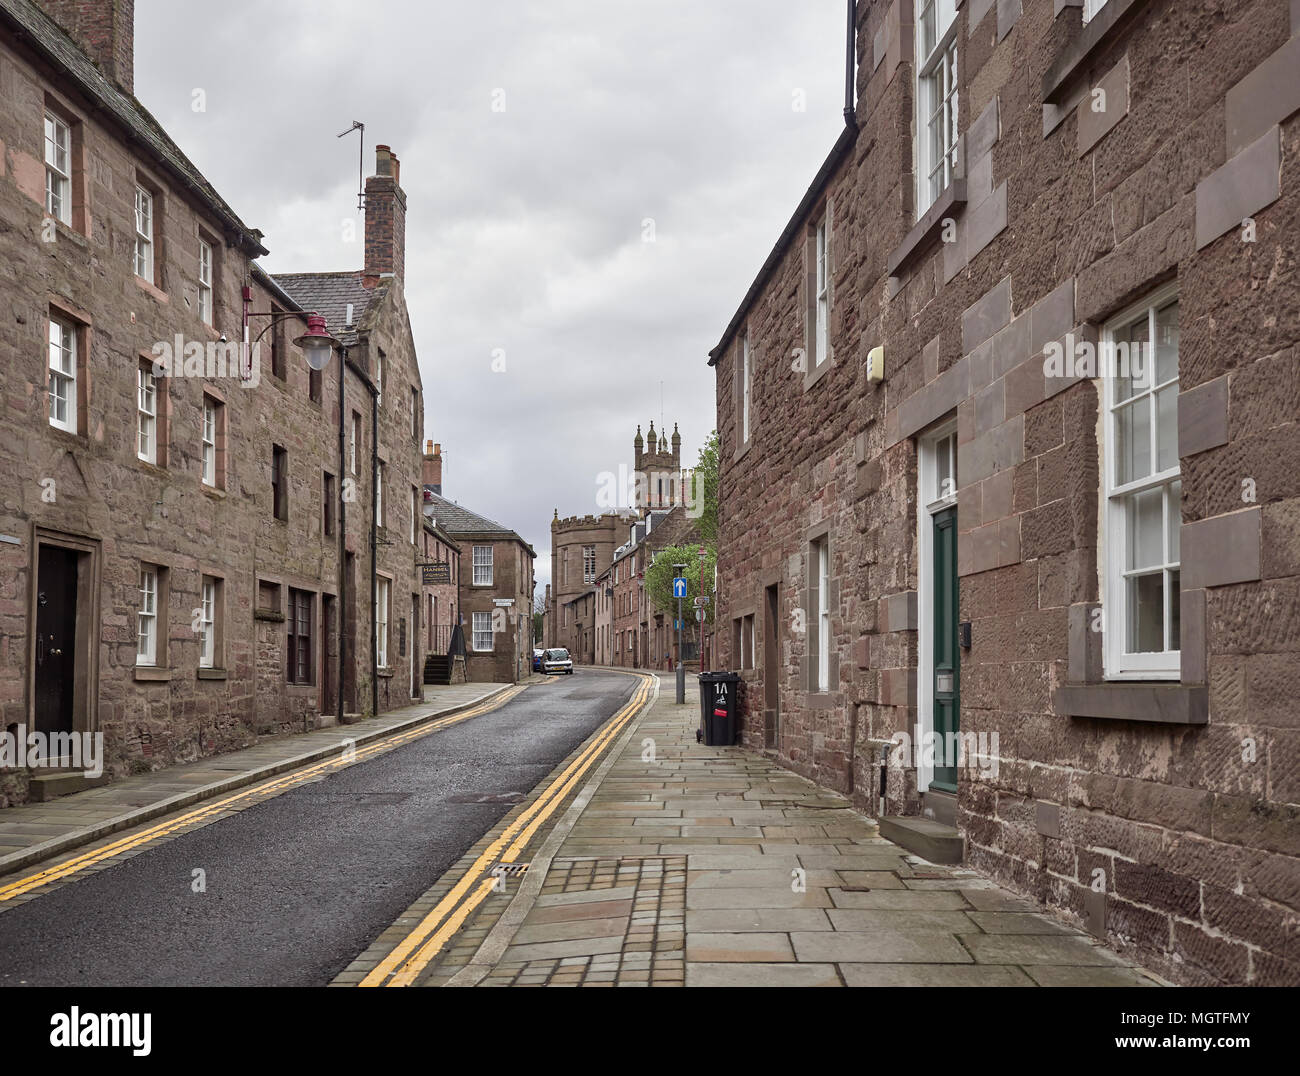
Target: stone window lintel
1076	55
948	204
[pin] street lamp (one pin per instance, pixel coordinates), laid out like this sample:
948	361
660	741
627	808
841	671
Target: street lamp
318	346
704	555
317	343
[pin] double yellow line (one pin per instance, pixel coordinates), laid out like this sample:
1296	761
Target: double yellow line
274	786
412	955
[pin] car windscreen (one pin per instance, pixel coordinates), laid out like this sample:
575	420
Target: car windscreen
557	655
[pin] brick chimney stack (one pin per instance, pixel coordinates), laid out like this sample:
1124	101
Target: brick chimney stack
104	30
433	467
385	220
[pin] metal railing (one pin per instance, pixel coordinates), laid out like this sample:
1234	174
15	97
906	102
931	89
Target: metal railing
438	638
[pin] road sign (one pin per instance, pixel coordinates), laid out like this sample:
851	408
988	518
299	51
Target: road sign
701	601
679	586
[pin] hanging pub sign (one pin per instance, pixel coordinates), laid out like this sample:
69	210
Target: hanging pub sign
436	572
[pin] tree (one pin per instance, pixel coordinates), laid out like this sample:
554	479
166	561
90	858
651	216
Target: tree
659	580
539	613
706	477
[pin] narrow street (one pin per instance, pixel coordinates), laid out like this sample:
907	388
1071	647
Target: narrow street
768	495
299	884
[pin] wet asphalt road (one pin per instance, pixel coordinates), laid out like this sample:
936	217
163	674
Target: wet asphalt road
297	886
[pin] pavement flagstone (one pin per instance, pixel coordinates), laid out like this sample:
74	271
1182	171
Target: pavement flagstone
706	866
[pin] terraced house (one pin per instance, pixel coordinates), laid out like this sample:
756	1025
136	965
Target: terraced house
495	584
183	520
1010	487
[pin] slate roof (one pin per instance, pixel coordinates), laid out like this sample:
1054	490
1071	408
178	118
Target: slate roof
438	532
44	35
329	294
459	522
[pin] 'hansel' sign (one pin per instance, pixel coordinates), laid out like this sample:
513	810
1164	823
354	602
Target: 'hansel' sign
437	572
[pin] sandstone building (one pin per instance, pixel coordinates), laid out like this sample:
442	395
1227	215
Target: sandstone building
495	591
596	605
942	512
177	538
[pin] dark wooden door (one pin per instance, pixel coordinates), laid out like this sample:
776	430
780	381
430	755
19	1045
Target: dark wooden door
56	638
771	667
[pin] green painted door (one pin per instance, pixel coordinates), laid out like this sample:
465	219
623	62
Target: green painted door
947	660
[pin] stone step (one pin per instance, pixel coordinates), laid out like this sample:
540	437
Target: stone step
48	786
941	806
924	837
437	669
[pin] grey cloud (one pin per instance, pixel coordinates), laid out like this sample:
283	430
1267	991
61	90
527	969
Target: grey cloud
524	228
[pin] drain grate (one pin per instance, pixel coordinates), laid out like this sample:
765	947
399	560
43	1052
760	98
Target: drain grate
508	870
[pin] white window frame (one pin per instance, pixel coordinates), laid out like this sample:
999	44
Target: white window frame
146	404
352	444
479	634
379	493
63	374
207	623
588	563
209	451
144	233
146	645
1117	662
746	376
383	592
205	281
482	566
58	168
379	377
936	101
822	296
415	516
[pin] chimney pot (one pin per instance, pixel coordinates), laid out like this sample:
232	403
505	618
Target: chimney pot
385	220
432	469
104	30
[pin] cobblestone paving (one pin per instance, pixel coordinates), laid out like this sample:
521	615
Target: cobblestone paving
694	865
639	906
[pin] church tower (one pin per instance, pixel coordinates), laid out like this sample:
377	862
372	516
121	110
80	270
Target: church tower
658	469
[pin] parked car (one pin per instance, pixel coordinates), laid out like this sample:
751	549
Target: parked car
537	660
557	661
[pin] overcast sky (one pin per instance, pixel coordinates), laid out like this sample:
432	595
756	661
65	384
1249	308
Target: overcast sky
526	227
